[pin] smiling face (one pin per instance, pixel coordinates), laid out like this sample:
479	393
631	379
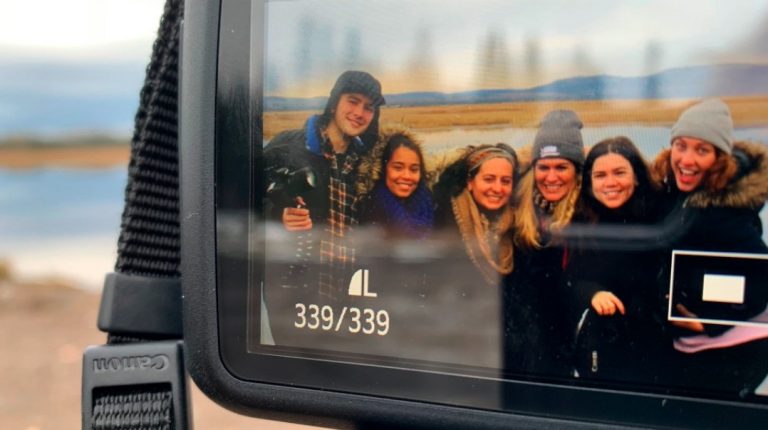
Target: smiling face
691	158
353	114
492	185
613	180
403	172
554	177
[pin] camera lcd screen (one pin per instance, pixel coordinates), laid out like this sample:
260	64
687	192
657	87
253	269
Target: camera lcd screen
478	203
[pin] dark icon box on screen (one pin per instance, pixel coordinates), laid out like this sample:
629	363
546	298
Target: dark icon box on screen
719	288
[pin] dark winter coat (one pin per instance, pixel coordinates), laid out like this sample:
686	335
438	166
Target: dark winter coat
539	298
602	256
293	151
295	164
469	310
723	221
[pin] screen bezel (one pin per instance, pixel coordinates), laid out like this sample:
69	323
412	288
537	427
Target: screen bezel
226	164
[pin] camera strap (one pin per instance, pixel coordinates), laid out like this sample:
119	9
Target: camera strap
138	380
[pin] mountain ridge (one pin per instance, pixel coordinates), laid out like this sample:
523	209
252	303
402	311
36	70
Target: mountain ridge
683	82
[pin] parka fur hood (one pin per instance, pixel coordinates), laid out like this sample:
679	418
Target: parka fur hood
370	170
748	189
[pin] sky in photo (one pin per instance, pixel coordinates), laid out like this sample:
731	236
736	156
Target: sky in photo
465	45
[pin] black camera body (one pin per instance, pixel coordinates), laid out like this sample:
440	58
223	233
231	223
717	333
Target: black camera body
226	256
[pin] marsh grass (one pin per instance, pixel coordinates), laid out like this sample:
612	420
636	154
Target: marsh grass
746	111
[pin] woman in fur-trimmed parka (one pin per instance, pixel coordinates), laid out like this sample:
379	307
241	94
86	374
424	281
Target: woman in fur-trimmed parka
714	190
546	201
392	186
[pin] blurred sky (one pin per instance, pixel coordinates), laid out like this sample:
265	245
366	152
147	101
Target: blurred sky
464	45
73	66
78	30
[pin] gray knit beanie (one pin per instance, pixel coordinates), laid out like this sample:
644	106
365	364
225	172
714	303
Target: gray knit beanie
710	121
559	136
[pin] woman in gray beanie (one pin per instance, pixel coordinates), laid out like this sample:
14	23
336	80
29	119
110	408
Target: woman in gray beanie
714	190
549	190
546	198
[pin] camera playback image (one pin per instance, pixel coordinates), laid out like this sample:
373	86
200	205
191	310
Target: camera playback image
497	189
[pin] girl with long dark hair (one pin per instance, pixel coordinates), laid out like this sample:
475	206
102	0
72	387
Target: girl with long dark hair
610	271
393	186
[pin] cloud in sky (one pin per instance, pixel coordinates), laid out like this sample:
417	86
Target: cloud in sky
76	29
307	48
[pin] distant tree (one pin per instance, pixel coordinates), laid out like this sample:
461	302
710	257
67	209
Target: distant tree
351	53
533	70
583	65
304	59
653	56
494	66
421	68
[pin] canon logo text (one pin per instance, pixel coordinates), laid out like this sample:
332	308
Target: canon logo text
142	362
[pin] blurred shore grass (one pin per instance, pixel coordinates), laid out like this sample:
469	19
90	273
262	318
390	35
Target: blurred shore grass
86	151
746	111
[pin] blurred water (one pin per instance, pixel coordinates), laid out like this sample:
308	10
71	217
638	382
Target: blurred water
61	222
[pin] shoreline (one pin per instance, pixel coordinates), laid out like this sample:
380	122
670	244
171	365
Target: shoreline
747	112
28	157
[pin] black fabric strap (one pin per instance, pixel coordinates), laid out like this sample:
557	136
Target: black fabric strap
143	407
149	237
148	245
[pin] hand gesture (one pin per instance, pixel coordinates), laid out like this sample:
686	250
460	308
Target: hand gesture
297	219
606	303
688	325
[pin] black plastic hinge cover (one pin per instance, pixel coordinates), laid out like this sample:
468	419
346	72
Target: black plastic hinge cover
139	305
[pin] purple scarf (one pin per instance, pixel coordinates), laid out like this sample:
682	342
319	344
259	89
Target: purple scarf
413	216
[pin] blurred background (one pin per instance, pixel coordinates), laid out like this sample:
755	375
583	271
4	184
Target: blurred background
70	75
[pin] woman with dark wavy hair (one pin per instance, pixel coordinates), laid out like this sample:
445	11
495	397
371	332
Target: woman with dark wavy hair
610	277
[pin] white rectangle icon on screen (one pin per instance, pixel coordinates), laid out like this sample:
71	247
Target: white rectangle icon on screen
723	289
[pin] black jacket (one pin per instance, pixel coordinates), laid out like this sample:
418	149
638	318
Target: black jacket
604	257
723	221
292	151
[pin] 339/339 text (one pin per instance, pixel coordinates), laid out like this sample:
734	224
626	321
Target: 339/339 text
349	318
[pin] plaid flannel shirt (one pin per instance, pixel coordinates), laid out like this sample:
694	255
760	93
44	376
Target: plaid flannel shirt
337	252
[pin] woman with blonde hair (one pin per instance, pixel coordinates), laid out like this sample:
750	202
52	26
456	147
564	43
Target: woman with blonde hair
546	201
473	221
473	195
